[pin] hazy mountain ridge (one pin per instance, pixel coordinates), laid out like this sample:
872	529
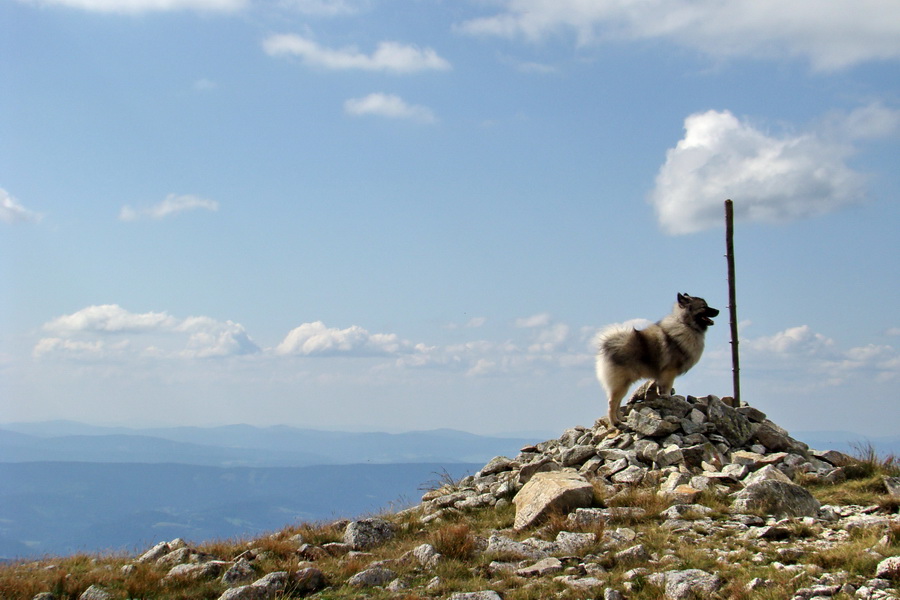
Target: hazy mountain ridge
69	487
65	507
242	445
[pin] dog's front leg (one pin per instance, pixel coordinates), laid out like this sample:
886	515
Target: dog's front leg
665	382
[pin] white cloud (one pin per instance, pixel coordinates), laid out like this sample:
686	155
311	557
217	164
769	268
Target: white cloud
815	360
831	34
872	121
204	85
795	340
475	322
211	338
326	8
311	339
108	318
771	178
391	57
172	205
538	320
108	330
11	211
140	6
390	106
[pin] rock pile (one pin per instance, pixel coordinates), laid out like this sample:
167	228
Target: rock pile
682	449
684	445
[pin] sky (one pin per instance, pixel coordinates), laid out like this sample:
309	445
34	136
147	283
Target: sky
374	215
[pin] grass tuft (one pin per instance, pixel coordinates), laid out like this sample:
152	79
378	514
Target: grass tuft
454	541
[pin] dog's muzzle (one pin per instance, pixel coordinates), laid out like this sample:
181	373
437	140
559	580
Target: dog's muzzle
706	316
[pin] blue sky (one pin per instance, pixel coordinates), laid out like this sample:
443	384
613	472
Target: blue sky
373	215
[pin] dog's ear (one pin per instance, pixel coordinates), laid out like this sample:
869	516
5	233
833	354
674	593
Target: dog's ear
683	299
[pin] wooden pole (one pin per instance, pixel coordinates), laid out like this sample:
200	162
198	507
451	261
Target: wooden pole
732	302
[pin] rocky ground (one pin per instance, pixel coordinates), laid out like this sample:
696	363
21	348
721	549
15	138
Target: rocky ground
691	498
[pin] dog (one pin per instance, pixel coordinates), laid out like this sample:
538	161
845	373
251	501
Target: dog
661	352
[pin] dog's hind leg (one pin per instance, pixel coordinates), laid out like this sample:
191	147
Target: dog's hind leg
616	393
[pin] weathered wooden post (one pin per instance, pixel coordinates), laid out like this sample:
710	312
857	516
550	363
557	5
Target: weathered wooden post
732	302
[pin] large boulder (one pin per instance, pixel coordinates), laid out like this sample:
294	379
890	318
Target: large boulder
776	498
732	425
368	533
555	491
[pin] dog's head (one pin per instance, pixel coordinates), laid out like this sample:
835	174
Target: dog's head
697	310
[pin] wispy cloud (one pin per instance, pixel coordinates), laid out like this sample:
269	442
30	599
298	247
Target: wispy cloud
814	360
390	57
172	205
830	34
771	178
142	6
326	8
389	106
204	85
12	211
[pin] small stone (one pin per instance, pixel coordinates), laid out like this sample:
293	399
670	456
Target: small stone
155	553
690	583
498	464
577	455
889	568
485	595
892	484
95	592
426	555
376	576
239	572
542	568
635	554
630	476
650	423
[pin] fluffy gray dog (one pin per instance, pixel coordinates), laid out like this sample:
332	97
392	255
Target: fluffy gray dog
661	351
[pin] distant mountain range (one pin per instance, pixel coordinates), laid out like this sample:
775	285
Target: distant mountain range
849	442
61	508
69	487
243	445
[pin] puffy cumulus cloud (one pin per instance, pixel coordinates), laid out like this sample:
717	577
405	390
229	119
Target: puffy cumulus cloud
770	178
830	34
142	6
108	318
172	205
390	106
390	57
211	338
109	331
316	339
12	211
794	340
